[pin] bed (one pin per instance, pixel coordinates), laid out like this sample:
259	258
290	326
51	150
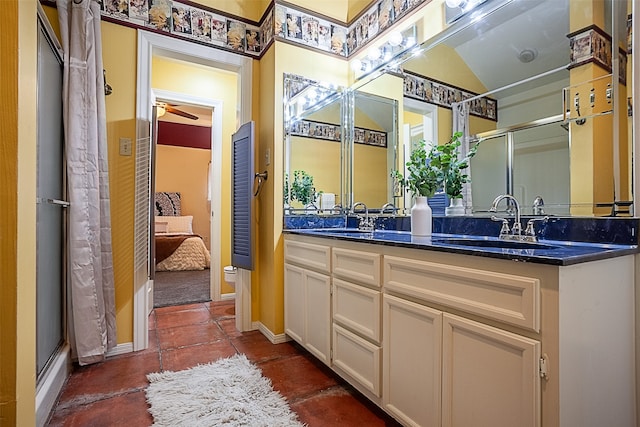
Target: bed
177	248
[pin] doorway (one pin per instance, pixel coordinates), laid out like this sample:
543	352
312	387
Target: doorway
183	194
150	44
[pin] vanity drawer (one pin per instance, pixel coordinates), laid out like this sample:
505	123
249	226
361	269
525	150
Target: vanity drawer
503	297
358	358
308	255
357	308
363	267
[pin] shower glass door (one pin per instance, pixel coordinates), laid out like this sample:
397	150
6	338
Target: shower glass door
51	204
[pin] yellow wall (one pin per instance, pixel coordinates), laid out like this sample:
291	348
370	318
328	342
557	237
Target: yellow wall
369	166
321	159
336	9
185	170
119	57
355	7
370	175
267	301
18	54
209	83
250	9
592	159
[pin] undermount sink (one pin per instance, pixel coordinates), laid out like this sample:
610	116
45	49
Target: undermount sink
506	244
346	230
350	231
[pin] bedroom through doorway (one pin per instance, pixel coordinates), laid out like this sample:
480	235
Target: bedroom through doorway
182	203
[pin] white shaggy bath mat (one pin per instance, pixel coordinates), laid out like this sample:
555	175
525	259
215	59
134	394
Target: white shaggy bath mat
229	392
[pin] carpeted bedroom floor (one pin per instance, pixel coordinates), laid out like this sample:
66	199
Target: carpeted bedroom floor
180	287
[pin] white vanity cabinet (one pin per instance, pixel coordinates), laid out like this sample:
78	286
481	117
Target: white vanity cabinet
412	362
356	303
447	339
307	297
444	369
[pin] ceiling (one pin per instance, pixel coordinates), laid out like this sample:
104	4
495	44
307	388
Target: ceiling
538	26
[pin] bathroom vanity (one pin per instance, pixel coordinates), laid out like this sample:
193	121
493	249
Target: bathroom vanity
441	334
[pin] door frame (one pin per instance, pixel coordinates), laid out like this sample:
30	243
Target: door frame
150	44
216	177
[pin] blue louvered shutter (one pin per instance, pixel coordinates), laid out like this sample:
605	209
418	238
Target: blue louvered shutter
242	235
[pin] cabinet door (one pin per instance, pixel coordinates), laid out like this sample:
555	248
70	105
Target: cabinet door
357	308
489	376
294	302
357	357
412	348
318	315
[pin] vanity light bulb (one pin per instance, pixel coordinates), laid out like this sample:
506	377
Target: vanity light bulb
453	3
356	65
374	53
395	39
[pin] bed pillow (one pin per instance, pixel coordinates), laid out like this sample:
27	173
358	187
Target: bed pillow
176	224
167	203
161	226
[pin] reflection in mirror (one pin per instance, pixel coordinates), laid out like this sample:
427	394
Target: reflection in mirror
313	141
374	148
518	161
530	94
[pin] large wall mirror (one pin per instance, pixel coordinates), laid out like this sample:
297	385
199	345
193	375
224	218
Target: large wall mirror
548	95
314	146
375	136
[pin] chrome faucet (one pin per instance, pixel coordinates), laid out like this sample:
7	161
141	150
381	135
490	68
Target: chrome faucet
311	207
516	230
387	206
365	223
538	204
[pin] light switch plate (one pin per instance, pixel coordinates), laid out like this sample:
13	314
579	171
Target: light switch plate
125	146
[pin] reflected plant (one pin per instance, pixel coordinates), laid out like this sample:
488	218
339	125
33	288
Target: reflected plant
301	188
445	157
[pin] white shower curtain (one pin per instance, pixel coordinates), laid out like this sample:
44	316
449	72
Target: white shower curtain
91	309
461	124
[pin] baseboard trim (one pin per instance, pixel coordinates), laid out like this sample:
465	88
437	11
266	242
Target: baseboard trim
120	349
226	297
50	385
274	338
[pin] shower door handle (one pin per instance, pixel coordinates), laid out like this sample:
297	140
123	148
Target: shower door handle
58	202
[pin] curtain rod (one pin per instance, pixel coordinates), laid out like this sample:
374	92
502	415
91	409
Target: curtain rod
509	86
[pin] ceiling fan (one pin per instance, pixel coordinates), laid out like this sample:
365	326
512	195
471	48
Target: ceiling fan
163	108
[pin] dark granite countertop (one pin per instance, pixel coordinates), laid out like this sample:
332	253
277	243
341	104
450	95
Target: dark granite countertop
553	252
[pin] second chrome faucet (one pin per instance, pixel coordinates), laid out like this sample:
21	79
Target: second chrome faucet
516	230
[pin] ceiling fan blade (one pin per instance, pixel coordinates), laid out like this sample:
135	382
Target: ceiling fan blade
181	113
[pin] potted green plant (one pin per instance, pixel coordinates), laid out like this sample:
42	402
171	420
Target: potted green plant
453	168
301	188
424	178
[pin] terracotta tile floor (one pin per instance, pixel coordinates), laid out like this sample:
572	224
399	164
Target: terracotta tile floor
112	393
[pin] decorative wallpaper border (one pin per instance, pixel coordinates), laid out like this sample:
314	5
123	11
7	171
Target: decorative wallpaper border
188	21
203	25
593	45
333	132
442	94
311	30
